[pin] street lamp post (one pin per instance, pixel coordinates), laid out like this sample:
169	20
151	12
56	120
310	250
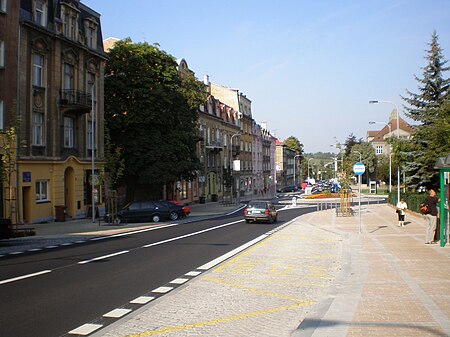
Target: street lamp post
308	168
390	153
231	162
93	179
295	166
398	136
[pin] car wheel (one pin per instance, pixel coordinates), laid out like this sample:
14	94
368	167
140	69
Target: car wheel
275	219
118	221
173	216
247	220
155	218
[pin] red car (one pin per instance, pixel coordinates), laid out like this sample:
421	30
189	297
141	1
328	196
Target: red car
186	208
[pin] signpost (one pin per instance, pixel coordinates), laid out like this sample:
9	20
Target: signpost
359	169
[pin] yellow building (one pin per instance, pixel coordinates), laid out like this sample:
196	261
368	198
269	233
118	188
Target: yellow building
59	108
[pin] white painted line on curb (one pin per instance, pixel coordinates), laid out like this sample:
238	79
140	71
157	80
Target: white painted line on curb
15	253
226	256
51	247
67	244
179	281
117	313
193	273
142	300
25	277
162	290
104	257
35	250
85	329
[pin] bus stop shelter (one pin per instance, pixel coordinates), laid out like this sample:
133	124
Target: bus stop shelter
443	165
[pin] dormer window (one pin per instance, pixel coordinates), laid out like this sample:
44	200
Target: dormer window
40	12
69	17
90	29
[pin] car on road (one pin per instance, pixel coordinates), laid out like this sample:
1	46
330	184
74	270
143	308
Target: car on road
259	210
154	211
287	189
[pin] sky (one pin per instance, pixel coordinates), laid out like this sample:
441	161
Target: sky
309	67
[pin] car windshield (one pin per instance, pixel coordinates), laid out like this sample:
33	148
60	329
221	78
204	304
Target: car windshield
257	205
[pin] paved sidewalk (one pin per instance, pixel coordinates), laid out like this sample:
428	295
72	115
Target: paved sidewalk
317	277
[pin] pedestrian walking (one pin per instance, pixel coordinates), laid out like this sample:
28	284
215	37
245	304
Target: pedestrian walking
401	211
431	216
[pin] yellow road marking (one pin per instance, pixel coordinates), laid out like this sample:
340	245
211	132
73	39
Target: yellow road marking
220	320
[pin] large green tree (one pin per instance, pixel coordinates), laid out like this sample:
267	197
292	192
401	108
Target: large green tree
294	144
430	108
151	112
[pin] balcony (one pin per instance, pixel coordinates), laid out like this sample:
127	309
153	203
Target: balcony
75	100
214	145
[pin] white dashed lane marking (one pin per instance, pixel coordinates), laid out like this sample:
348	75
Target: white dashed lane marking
117	313
104	257
162	290
142	300
25	276
85	329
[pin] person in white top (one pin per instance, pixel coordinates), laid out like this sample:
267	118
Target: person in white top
401	211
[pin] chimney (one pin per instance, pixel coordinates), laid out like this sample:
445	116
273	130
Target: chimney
206	79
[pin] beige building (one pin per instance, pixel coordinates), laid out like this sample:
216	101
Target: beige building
59	104
243	179
378	138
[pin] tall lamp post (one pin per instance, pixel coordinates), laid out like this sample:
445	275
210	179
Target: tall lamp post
93	177
390	153
308	168
295	166
398	136
231	162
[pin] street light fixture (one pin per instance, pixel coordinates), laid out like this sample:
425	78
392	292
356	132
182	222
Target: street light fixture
398	136
390	153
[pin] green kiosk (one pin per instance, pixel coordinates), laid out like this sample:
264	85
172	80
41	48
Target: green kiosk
443	165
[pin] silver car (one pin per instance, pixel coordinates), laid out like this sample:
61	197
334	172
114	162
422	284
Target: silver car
260	210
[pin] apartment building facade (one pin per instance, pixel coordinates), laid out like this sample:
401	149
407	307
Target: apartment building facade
58	109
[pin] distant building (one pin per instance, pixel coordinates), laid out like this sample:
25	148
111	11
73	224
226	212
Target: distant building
284	165
378	137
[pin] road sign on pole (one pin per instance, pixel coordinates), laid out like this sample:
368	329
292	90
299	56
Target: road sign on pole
359	168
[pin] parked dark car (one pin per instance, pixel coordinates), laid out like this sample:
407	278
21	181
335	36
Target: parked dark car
148	211
259	210
287	189
175	205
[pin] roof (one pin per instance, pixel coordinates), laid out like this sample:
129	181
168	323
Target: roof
379	135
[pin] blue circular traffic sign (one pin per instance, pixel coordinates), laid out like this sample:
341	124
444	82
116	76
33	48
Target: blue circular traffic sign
359	168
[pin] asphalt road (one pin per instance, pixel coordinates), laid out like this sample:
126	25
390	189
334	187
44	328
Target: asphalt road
49	293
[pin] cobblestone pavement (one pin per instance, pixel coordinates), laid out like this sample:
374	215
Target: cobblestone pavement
315	277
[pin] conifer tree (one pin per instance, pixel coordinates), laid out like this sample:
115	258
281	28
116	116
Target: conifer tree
429	107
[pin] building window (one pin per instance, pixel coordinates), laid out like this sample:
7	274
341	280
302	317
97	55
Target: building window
38	70
68	76
91	32
38	128
2	116
40	12
3	5
68	132
379	149
2	54
41	190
